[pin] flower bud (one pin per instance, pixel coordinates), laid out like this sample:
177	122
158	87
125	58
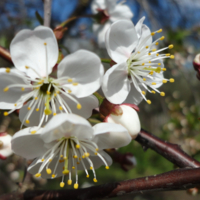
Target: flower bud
196	64
102	16
5	145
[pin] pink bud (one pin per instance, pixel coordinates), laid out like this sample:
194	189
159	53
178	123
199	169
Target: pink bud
196	64
5	145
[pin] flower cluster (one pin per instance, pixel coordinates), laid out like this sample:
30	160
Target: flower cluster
55	108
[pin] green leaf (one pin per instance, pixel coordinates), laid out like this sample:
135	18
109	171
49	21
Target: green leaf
39	18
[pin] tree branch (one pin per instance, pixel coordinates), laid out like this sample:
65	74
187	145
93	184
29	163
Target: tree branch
171	152
5	55
47	12
180	179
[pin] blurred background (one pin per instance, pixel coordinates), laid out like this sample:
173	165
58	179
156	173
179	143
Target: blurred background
174	118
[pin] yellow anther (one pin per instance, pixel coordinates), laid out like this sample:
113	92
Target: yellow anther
87	175
78	146
157	43
153	50
54	114
78	163
148	101
48	171
69	80
69	182
162	38
15	104
171	46
162	94
76	186
172	56
153	83
144	79
65	158
159	31
79	106
37	109
45	43
157	54
53	175
80	159
167	54
95	180
152	91
86	154
27	121
97	149
152	33
75	84
143	64
50	160
164	69
149	61
37	175
107	167
7	70
26	67
164	81
60	108
91	167
48	92
28	108
65	172
159	64
22	88
33	132
55	94
171	80
60	161
138	52
5	113
147	47
75	156
149	54
69	91
95	153
158	70
62	184
42	159
83	156
6	89
47	111
143	92
151	72
73	167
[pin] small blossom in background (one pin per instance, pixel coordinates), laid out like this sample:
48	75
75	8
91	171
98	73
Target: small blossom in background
5	145
107	12
124	114
34	54
139	66
69	143
196	64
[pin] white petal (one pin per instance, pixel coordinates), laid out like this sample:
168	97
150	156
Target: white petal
28	49
66	125
97	4
129	119
158	77
116	85
121	39
85	68
28	145
134	97
9	98
88	104
108	135
120	12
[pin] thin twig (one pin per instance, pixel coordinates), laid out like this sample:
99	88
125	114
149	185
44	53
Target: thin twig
5	55
47	12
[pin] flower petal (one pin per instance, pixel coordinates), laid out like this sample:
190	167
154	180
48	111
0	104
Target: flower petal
66	125
28	49
120	12
129	119
84	68
108	135
97	4
121	39
116	85
28	145
88	104
10	97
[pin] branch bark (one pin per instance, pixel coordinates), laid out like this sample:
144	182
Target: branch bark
47	12
5	55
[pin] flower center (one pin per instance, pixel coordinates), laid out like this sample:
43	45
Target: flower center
70	154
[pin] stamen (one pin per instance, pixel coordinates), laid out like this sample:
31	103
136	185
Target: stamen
7	70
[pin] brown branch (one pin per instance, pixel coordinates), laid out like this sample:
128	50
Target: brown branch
180	179
171	152
5	55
